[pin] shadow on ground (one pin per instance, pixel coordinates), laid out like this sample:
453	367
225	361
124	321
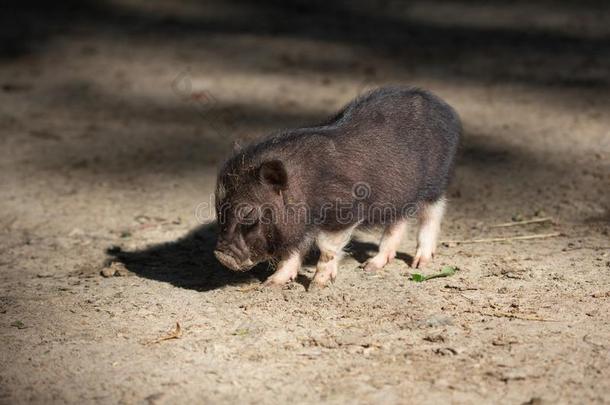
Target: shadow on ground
189	262
362	251
387	29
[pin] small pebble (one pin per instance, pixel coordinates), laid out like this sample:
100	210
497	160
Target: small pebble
115	269
108	271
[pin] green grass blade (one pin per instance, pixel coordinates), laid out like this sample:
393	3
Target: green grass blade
446	271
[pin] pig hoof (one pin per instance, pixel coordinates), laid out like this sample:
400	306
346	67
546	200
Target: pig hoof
376	263
371	266
333	276
320	283
274	283
420	260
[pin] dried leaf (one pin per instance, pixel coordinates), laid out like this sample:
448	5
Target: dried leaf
174	334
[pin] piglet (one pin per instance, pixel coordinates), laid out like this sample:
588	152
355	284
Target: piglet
386	156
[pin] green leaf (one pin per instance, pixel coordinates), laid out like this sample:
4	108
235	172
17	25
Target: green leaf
18	325
446	271
241	332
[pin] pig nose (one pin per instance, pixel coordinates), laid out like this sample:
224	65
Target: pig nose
226	260
231	262
234	248
233	254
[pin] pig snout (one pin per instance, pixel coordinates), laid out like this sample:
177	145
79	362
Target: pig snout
236	261
226	260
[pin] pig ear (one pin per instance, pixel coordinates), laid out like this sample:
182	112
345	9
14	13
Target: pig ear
236	145
274	173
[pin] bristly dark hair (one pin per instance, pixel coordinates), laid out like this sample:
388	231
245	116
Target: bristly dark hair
398	141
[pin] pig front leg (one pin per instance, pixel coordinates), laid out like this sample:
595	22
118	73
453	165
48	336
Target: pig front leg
392	235
287	270
331	246
430	219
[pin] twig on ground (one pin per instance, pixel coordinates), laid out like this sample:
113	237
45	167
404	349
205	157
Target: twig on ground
525	222
467	297
505	239
526	317
595	248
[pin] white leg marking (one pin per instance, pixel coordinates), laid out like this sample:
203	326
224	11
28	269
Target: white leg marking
287	271
429	228
392	235
331	246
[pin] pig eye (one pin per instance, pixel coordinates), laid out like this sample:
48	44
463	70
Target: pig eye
247	227
246	215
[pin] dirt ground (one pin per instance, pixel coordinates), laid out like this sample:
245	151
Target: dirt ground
115	114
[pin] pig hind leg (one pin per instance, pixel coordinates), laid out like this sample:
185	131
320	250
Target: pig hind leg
430	218
331	246
392	235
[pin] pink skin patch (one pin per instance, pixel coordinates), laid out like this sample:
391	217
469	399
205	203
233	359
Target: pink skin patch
286	272
429	229
392	235
331	246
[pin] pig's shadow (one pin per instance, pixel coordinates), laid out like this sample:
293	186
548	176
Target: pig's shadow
362	251
189	262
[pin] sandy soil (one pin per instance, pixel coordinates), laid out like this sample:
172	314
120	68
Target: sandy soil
115	115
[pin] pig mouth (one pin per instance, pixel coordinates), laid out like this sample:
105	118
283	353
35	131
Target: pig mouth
230	262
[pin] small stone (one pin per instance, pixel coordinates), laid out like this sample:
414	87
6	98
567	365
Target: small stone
325	342
154	398
534	401
504	341
434	338
108	271
76	232
437	320
115	269
445	351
